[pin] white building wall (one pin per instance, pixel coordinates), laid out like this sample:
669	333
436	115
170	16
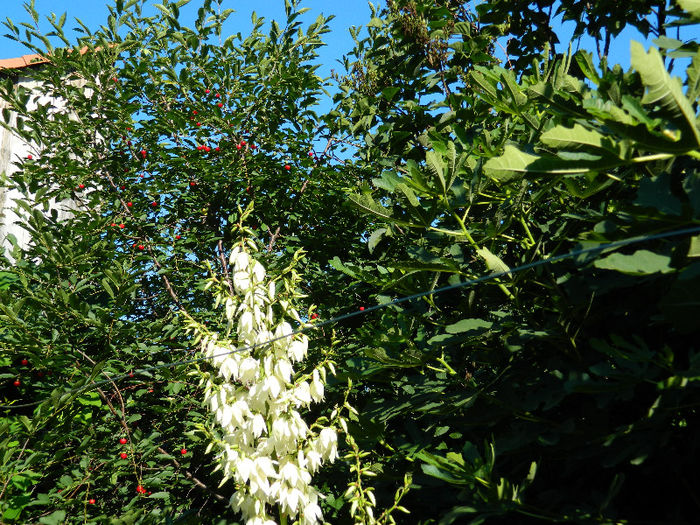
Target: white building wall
12	151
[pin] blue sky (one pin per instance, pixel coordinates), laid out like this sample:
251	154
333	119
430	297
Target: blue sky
348	13
93	13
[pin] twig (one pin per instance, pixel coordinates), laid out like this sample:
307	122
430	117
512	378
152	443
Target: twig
220	248
190	476
21	453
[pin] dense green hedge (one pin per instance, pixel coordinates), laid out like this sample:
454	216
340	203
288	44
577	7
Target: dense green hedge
565	391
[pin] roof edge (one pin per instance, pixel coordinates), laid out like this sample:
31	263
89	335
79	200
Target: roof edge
36	59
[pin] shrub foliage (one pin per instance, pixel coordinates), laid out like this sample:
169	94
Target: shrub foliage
561	391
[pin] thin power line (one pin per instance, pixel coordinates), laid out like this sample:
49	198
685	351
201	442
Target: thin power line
364	311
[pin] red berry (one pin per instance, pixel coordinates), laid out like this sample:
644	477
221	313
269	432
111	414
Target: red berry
128	143
81	186
128	128
217	95
248	189
129	204
216	148
30	157
311	153
113	225
91	501
154	204
131	374
140	489
143	153
207	149
193	183
314	316
17	382
40	373
253	146
194	111
183	451
24	362
122	187
114	79
220	104
199	123
122	441
141	247
121	226
207	91
238	146
177	237
123	455
243	143
287	167
362	308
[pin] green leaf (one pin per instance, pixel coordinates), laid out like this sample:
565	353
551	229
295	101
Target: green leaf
336	263
107	287
691	186
6	279
458	513
513	164
578	138
375	238
468	325
55	518
665	90
694	250
693	74
437	167
160	495
493	262
656	193
389	92
368	205
375	22
682	303
584	59
403	188
12	513
692	7
641	262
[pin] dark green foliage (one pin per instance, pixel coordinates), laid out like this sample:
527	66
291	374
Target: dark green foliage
564	392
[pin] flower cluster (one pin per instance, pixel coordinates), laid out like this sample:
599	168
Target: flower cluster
266	447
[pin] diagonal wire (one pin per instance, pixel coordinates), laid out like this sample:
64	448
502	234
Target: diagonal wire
593	250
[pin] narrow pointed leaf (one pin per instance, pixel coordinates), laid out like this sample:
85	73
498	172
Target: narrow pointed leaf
493	262
577	138
663	89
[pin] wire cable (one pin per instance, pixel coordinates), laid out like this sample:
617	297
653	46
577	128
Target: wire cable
367	310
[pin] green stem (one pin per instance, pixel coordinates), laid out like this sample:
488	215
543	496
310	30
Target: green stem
471	240
527	231
657	156
450	370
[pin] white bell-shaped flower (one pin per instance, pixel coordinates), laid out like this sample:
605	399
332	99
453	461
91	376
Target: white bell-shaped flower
240	261
258	272
241	281
265	445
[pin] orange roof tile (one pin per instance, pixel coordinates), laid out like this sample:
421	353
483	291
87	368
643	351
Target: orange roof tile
23	61
35	59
